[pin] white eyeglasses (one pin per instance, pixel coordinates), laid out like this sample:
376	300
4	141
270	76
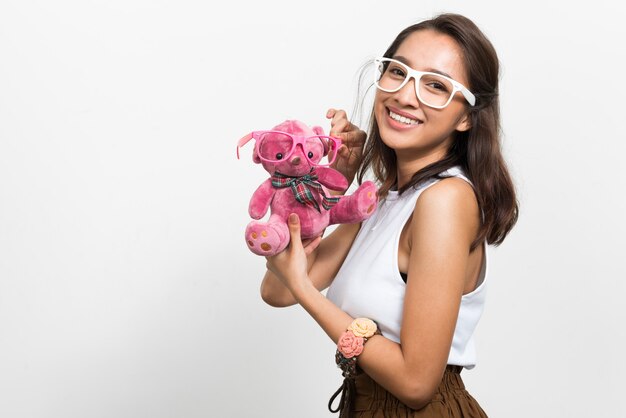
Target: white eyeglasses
432	89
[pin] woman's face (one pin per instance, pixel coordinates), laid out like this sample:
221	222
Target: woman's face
424	50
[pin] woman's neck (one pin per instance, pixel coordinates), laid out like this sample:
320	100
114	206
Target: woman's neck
409	165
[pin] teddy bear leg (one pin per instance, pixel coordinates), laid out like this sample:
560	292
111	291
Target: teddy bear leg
267	238
356	207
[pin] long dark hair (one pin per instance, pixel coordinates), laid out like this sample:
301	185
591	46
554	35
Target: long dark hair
477	150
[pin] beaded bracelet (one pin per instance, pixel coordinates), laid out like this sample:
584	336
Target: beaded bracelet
349	347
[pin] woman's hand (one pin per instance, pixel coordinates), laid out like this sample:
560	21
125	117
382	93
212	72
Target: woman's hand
290	266
352	141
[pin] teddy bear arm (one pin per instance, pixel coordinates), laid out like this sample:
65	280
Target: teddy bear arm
356	207
332	178
261	199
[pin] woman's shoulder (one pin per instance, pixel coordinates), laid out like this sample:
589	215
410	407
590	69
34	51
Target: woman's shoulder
450	201
452	185
456	172
453	192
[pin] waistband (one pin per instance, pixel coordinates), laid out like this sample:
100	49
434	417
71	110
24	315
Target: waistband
368	392
362	392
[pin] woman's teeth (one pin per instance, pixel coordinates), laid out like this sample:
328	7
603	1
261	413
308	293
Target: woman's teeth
403	119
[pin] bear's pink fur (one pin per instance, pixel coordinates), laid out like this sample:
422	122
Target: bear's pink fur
271	237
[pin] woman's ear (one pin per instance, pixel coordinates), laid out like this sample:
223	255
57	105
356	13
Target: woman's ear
465	123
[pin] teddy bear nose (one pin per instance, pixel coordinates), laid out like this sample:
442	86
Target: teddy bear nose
295	160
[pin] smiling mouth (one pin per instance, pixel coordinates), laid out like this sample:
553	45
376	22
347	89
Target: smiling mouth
403	119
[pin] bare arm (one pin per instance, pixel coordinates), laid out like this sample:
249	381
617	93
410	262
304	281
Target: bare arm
445	221
323	263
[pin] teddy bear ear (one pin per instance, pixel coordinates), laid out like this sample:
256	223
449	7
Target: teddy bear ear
318	130
255	156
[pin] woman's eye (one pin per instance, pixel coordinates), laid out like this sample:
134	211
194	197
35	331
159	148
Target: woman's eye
279	156
438	86
397	72
310	154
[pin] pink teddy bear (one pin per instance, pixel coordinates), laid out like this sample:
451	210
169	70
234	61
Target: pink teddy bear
290	153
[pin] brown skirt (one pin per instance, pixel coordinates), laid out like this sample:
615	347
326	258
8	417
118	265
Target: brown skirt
451	400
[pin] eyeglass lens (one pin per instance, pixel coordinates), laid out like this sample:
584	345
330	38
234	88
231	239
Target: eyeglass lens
275	146
432	89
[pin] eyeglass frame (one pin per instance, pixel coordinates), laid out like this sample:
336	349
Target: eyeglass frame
416	76
295	140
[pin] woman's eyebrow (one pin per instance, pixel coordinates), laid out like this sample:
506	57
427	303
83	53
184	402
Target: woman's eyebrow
430	70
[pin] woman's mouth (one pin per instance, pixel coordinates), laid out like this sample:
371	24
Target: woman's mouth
402	120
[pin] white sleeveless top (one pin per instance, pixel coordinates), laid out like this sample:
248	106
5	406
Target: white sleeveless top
369	284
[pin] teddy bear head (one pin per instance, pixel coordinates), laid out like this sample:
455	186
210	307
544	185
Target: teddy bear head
277	146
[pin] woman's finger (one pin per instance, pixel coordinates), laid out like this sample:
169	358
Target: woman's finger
353	138
335	113
338	121
294	231
339	127
312	245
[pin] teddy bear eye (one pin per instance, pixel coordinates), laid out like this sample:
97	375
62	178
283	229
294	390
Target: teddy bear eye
279	156
310	154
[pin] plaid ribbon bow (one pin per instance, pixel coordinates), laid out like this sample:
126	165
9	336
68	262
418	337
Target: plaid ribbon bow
303	188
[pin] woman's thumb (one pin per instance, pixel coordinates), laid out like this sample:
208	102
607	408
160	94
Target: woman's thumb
294	228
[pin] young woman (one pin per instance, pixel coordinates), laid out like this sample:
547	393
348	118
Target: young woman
418	266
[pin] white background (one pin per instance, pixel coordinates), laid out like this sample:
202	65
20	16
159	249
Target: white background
126	288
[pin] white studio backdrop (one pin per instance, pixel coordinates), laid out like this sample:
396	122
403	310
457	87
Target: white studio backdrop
126	288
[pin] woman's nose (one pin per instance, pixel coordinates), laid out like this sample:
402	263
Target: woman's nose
407	94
